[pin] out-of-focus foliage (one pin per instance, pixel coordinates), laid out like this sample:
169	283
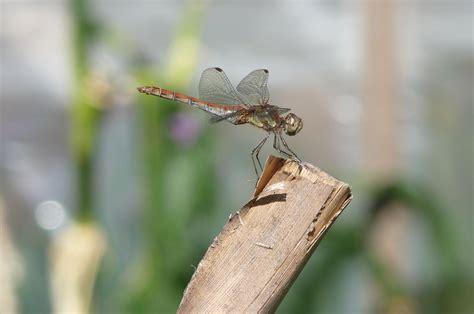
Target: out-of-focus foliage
175	189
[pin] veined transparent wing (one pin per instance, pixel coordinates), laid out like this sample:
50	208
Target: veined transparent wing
215	87
232	117
281	110
254	86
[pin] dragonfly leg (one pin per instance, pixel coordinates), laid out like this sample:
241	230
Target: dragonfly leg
276	145
256	152
288	148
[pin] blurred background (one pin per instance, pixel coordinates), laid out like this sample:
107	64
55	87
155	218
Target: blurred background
109	198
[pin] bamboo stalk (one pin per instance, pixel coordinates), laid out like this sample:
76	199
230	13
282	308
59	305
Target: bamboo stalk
257	256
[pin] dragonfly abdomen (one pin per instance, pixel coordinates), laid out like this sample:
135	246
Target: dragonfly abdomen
164	93
216	109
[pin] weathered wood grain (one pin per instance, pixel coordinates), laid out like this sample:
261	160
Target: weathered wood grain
257	256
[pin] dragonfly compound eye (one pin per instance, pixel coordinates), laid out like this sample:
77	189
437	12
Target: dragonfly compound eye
293	124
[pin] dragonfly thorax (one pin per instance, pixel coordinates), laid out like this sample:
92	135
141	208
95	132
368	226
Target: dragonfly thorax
293	124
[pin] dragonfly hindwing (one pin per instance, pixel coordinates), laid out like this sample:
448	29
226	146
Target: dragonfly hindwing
232	117
215	87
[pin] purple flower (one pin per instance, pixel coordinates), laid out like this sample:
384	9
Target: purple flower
184	128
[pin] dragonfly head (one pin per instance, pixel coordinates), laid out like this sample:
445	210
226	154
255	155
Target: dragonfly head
293	124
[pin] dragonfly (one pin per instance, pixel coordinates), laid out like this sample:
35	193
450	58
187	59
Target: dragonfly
245	104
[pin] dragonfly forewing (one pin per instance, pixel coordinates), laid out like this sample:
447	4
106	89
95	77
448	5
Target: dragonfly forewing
254	86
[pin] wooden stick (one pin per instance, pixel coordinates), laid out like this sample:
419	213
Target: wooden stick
255	259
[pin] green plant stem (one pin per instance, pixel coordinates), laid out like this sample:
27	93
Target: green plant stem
85	113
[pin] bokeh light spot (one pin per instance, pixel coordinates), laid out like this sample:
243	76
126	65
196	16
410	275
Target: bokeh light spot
50	215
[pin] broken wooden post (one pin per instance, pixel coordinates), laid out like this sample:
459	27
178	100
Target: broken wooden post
255	259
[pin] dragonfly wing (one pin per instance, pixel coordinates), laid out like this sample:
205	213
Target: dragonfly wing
254	86
215	87
231	117
282	110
